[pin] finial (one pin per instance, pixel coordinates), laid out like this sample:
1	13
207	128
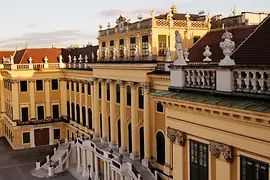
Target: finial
30	60
186	54
174	9
80	58
100	27
109	25
69	58
60	58
227	46
152	12
140	17
86	58
234	11
187	16
169	15
46	59
207	54
74	59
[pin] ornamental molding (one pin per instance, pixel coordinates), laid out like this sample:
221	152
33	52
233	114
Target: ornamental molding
140	123
85	82
217	149
174	134
47	80
146	86
14	81
133	84
31	80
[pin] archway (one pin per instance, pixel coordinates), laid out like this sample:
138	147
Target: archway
160	142
141	143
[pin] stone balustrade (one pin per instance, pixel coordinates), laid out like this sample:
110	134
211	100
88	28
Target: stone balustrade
252	80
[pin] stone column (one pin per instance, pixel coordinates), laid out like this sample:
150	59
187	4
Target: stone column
15	100
112	173
146	121
32	138
104	110
2	93
92	164
85	84
80	101
70	100
105	170
47	98
32	99
134	121
108	171
63	94
51	136
96	109
75	99
123	105
78	159
84	162
112	114
96	167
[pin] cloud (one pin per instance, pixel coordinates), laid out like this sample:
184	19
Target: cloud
114	12
46	39
32	25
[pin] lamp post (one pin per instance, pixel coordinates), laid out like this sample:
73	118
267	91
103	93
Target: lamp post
89	168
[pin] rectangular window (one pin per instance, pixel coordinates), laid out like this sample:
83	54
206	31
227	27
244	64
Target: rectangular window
108	92
111	48
77	87
54	84
83	91
89	89
162	45
55	109
25	114
121	47
252	169
67	85
132	46
159	107
40	112
145	51
39	85
117	93
72	86
128	96
23	86
198	161
26	137
56	134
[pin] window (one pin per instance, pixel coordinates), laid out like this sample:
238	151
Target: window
89	89
25	114
159	107
132	46
162	45
160	142
119	132
55	111
83	116
141	103
252	169
83	88
109	124
196	38
77	87
111	49
99	90
103	50
23	86
108	92
117	93
78	113
68	110
129	138
90	126
121	47
72	86
56	134
198	161
128	96
54	84
39	85
40	112
100	119
26	137
73	111
67	85
145	51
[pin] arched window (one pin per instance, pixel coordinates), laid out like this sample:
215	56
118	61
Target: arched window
83	116
160	141
78	113
90	126
73	111
100	118
119	133
141	143
140	97
109	124
68	110
129	138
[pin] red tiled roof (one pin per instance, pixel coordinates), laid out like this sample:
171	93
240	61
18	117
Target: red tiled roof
256	49
213	38
88	50
5	54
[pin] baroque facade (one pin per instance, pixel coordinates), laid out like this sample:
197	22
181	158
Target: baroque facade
131	112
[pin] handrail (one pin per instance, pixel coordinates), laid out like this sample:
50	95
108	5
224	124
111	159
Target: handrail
135	172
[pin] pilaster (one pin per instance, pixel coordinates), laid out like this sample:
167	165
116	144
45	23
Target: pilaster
2	93
15	100
32	98
47	98
96	109
104	110
63	94
112	113
123	103
80	101
85	84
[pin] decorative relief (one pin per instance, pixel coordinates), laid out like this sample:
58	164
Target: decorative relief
174	134
122	83
216	149
47	80
140	123
31	80
14	81
133	84
146	86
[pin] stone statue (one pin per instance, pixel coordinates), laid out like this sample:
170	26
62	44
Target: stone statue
125	51
136	53
69	59
178	45
168	54
114	53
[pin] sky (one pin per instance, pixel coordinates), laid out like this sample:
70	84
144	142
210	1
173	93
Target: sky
43	23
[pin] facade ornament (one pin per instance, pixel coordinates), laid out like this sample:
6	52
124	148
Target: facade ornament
86	58
121	83
152	12
207	54
74	59
110	81
187	16
216	149
125	51
169	16
133	84
11	59
114	53
100	27
179	49
80	58
146	86
46	60
139	20
174	134
30	60
61	59
186	54
109	25
227	46
140	123
69	59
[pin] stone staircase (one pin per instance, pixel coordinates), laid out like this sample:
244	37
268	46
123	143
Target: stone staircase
145	173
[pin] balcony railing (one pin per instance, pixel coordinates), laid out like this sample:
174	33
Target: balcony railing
36	66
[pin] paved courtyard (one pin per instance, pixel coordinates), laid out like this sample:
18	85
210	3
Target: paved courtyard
16	165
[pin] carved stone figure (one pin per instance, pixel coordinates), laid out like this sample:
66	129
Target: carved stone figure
227	46
174	134
114	53
69	59
136	53
125	51
178	45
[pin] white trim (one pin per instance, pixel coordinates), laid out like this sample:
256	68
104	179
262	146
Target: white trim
25	106
53	133
44	113
29	137
43	85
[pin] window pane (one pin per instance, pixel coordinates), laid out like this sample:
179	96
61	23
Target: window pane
55	112
23	85
26	137
54	84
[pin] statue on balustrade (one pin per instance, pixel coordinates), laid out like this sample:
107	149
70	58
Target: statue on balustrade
136	53
179	49
114	53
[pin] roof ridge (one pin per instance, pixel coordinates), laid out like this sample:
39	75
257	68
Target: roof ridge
199	39
255	30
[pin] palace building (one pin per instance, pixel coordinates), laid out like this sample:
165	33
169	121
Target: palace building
165	97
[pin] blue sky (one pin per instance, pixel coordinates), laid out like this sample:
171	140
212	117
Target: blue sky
42	23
